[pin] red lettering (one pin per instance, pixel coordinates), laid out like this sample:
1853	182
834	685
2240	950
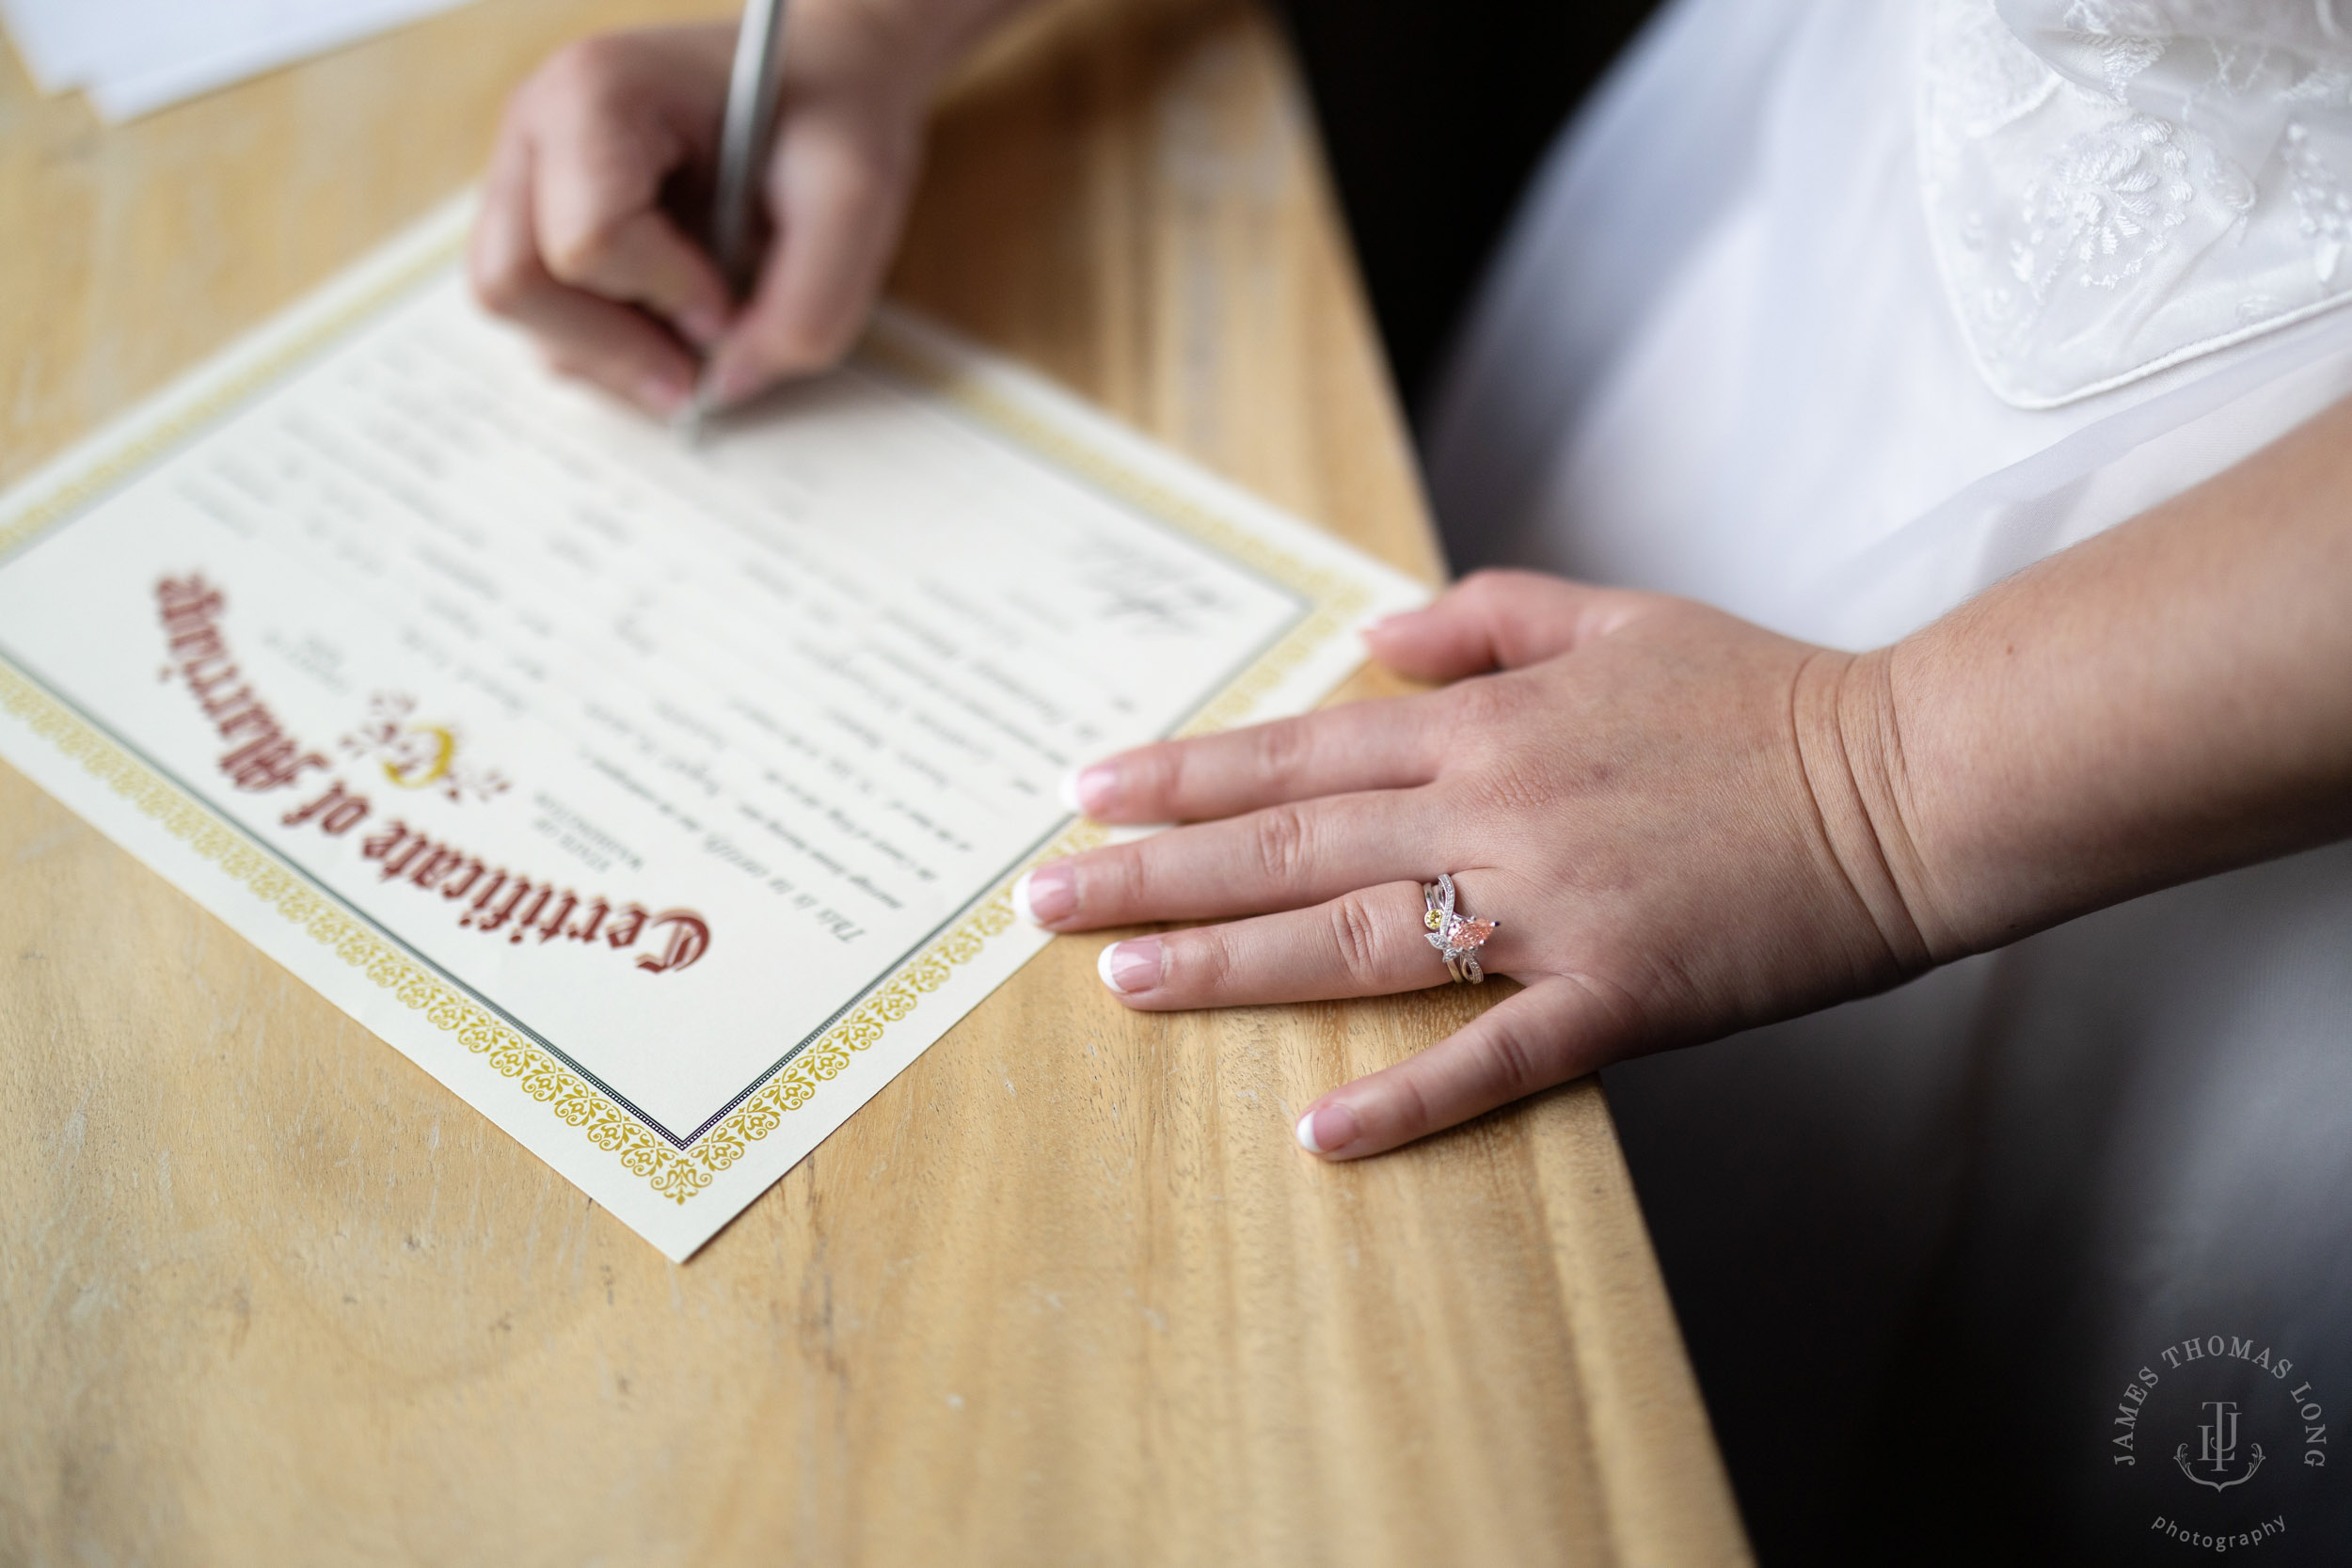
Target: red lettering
269	762
398	861
586	929
338	811
523	921
690	936
191	599
379	843
438	863
497	880
300	814
251	716
554	926
266	757
505	911
624	932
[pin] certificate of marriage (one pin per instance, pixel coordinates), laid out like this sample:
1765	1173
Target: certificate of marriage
663	803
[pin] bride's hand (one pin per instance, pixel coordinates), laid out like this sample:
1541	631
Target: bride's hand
1655	799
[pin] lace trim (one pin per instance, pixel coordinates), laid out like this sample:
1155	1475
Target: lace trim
2114	186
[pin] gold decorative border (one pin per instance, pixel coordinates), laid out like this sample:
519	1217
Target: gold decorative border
540	1075
788	1090
674	1174
1334	597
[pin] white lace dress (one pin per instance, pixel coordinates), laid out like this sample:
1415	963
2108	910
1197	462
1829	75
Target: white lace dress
1833	314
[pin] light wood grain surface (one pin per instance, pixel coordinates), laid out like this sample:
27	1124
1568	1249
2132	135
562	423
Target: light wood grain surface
1064	1292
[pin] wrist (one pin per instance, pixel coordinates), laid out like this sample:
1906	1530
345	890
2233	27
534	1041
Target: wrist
1849	736
904	47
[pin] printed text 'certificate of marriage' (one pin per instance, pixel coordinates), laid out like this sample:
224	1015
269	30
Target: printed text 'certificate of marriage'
662	802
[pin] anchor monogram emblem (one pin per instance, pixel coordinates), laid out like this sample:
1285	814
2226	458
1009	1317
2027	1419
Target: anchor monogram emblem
2217	1449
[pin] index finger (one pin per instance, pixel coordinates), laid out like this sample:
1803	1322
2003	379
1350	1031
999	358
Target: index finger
613	345
1281	858
598	221
1389	743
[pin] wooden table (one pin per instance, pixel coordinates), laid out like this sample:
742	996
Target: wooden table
1064	1292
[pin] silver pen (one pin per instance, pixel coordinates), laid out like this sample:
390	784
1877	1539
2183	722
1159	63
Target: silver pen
743	134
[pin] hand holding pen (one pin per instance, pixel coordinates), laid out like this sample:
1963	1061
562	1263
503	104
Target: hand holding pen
595	232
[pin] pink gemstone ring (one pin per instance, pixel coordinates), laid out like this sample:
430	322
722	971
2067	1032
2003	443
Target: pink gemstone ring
1453	934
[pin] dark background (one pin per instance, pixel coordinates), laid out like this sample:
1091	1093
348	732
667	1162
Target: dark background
1433	117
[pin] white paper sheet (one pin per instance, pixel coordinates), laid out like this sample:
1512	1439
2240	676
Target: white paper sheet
135	56
663	803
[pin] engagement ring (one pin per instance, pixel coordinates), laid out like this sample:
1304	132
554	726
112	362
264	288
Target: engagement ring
1453	934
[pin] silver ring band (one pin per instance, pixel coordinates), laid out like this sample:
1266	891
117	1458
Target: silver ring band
1457	936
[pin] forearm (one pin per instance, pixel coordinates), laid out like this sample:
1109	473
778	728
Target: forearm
2169	700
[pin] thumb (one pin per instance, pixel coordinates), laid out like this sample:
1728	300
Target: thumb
1502	620
1556	1030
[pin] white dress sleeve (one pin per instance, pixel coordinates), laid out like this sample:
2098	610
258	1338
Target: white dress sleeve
1833	315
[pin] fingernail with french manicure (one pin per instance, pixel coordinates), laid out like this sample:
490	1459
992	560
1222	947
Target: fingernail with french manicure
1129	967
1048	894
1090	790
1327	1130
